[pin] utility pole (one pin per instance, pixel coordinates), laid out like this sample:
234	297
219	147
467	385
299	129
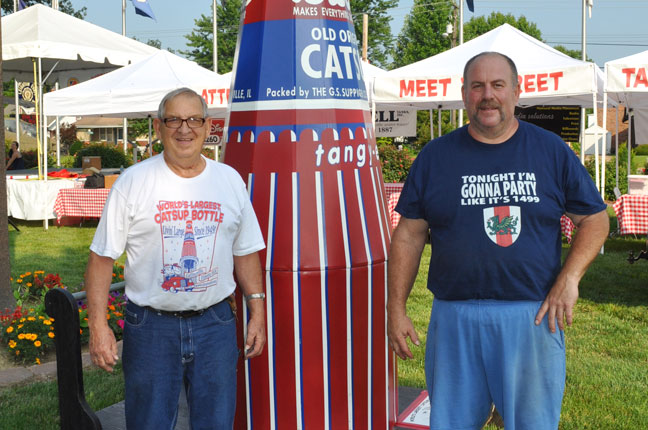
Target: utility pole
6	295
215	28
125	124
365	35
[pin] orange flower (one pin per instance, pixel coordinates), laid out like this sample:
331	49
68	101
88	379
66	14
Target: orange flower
111	307
38	361
10	329
37	344
21	336
12	344
51	335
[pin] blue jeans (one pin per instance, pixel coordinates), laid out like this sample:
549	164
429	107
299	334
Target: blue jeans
164	353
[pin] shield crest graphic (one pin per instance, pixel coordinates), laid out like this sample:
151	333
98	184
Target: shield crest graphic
502	224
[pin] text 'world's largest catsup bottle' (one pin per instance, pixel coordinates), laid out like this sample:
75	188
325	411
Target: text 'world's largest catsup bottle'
300	134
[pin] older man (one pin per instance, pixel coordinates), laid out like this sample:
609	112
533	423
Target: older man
186	224
491	195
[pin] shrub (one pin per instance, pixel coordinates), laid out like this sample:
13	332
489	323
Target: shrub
75	147
111	156
31	159
67	161
641	150
31	287
610	173
30	337
395	163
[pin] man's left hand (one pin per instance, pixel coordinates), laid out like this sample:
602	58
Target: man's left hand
559	305
255	339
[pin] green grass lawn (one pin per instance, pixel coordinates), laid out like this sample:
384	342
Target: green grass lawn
607	346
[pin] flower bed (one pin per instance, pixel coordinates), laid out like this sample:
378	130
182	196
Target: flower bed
28	332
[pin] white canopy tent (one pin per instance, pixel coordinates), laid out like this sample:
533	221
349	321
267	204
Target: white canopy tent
547	76
67	46
135	91
626	82
40	40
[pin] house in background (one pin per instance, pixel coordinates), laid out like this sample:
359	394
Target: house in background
100	129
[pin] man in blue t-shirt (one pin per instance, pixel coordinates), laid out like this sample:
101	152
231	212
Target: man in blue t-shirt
490	195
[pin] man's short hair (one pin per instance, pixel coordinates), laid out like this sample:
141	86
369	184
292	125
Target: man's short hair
177	92
514	72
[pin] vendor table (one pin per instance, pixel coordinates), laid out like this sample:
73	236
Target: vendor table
81	202
632	213
393	192
34	199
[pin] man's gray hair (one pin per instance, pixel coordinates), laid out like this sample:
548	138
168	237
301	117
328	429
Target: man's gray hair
514	72
177	92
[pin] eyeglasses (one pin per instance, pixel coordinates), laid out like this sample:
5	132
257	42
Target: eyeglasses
177	122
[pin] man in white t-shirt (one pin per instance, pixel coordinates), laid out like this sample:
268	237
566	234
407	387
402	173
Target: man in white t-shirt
187	225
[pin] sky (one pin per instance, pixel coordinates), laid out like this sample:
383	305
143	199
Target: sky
617	27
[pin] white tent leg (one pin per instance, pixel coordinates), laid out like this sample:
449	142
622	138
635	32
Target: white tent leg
629	144
150	137
17	102
604	145
581	138
616	146
58	135
431	124
439	122
125	136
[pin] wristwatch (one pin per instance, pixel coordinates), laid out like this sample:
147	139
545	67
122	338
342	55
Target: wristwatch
254	296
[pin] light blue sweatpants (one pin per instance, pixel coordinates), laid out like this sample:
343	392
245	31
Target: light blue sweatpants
485	351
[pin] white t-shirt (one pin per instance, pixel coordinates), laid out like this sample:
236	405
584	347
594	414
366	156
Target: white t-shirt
179	234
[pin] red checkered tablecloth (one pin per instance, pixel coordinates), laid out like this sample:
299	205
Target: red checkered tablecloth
80	202
632	213
393	192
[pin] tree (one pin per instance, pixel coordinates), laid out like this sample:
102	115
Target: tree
65	6
422	33
380	42
574	53
6	295
202	41
480	25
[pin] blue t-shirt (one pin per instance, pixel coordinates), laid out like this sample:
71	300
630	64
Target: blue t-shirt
494	211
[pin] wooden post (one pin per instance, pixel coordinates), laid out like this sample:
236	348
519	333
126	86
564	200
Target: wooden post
6	295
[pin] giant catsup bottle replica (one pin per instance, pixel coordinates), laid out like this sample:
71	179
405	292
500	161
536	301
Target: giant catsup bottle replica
300	134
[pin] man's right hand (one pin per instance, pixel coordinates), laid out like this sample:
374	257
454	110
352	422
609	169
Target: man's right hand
103	347
399	328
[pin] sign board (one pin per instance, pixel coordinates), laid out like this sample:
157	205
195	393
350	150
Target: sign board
215	132
562	120
395	123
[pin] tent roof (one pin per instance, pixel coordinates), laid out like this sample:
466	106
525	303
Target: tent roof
548	76
135	91
42	32
627	80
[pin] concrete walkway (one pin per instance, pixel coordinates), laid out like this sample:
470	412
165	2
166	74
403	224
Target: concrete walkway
112	417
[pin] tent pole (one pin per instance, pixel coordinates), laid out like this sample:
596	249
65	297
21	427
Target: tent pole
44	134
38	129
616	145
604	154
58	135
596	153
431	124
581	138
17	102
439	119
629	143
150	138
